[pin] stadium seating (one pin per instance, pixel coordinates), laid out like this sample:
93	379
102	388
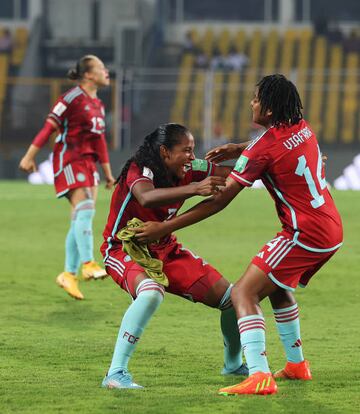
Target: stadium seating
325	74
20	44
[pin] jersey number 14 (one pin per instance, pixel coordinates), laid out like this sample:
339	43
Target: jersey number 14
303	170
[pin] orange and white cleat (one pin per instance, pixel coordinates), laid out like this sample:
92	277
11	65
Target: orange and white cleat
295	371
261	383
69	283
91	270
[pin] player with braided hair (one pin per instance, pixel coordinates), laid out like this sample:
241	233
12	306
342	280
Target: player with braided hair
287	159
78	117
153	185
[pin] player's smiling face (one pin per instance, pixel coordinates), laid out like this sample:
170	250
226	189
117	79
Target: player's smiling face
258	117
99	74
178	159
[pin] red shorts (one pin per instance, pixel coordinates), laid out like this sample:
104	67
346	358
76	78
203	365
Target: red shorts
189	275
287	264
81	173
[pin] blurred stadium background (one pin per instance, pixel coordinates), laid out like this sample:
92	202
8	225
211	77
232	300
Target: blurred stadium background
187	61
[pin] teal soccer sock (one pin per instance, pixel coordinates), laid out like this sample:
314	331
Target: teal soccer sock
83	229
72	257
252	335
149	297
288	325
228	321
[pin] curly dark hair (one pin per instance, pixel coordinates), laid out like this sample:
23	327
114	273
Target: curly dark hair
280	96
148	154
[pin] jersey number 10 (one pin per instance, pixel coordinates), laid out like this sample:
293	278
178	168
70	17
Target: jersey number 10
303	170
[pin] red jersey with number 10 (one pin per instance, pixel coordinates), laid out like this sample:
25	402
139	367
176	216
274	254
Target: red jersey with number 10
288	161
81	120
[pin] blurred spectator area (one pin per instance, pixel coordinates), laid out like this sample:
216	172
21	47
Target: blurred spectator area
325	70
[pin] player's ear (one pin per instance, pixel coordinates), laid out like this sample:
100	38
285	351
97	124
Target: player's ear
164	152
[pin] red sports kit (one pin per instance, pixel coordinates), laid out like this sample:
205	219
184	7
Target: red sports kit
289	162
189	275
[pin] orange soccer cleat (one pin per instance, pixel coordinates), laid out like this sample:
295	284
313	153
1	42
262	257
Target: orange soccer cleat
292	370
261	383
69	283
92	270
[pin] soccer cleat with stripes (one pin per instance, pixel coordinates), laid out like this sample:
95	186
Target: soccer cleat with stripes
242	370
295	371
120	380
91	270
69	283
260	383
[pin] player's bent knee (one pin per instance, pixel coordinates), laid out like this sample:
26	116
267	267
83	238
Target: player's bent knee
152	291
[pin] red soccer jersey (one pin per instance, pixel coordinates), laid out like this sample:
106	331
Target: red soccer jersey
124	205
288	161
82	127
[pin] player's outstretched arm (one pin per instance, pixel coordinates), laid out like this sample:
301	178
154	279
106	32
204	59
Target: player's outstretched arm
226	152
151	230
28	163
148	196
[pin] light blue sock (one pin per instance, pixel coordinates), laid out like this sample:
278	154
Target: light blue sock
288	325
232	346
83	229
72	257
149	297
252	335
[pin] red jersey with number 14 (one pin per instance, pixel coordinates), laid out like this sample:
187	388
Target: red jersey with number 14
81	120
288	161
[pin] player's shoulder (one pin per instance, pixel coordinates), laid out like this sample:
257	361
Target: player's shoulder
135	171
261	141
73	95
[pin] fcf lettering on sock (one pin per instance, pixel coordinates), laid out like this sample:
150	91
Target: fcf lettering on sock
130	338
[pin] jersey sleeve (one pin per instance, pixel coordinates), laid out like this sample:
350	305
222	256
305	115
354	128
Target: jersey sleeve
200	169
250	166
134	175
59	111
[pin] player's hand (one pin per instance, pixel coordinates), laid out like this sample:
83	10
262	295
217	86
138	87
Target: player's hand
210	186
28	164
225	152
110	181
151	231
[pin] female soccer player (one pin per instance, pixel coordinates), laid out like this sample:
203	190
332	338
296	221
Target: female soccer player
153	185
78	118
287	159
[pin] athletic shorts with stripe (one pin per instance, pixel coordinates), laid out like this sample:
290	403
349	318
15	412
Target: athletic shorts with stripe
189	275
81	173
287	264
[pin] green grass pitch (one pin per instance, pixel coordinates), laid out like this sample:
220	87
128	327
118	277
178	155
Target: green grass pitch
54	350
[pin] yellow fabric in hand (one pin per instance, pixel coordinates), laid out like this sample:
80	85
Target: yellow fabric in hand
139	252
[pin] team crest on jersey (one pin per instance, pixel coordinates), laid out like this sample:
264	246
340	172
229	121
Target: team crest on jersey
241	164
127	258
80	177
87	108
148	173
